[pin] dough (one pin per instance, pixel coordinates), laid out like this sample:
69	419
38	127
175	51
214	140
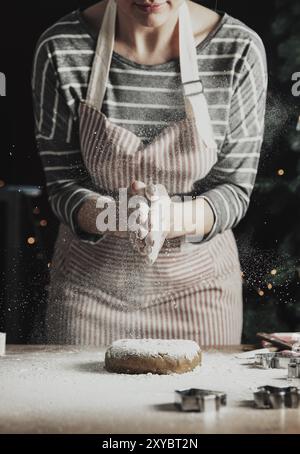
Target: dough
157	356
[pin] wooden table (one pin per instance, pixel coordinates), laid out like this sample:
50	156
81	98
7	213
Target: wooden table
52	389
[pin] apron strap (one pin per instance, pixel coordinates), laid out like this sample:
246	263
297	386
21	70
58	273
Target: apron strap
195	102
103	56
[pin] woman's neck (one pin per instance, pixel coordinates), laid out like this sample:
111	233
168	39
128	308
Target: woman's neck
147	45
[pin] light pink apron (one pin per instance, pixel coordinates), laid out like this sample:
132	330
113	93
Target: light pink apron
105	291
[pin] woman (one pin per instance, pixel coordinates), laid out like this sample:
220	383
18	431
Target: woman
119	103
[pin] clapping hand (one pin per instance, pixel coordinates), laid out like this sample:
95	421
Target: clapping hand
155	219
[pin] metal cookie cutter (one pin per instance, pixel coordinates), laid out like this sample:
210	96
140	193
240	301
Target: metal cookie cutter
271	361
200	400
294	368
277	398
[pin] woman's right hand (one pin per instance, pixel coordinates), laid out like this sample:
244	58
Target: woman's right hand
121	217
133	216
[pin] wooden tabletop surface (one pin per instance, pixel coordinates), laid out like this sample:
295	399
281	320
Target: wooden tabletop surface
53	389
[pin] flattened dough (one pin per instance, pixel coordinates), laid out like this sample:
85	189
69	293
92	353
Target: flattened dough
157	356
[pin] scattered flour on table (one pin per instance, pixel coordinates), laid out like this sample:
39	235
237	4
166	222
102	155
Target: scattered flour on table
63	391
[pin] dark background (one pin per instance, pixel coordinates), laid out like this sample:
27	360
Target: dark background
264	236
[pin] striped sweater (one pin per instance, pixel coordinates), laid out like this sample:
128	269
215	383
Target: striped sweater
144	99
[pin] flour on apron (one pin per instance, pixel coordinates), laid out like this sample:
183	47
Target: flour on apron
105	291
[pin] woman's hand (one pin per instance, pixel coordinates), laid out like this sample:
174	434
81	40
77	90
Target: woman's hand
148	216
119	216
148	220
133	214
168	219
158	222
138	215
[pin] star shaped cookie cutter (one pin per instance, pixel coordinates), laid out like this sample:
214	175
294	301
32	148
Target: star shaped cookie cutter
200	400
294	368
272	360
277	398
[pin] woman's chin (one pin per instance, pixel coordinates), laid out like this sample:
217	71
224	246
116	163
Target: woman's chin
152	16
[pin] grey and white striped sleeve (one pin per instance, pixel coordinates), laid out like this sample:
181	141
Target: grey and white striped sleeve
56	131
228	186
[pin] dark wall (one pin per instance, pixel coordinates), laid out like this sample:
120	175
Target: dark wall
21	25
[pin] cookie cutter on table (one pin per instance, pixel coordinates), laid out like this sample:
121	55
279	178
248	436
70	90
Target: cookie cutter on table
294	368
277	398
200	400
272	360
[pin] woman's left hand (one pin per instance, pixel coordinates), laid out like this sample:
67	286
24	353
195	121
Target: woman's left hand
159	225
160	219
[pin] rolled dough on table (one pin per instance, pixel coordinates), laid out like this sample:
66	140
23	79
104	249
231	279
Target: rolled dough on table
157	356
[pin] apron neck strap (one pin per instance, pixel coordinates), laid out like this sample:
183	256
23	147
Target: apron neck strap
103	56
188	54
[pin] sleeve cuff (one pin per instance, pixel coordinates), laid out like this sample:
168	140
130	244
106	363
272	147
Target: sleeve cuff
212	233
85	237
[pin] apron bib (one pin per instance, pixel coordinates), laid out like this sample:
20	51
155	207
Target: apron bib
103	292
